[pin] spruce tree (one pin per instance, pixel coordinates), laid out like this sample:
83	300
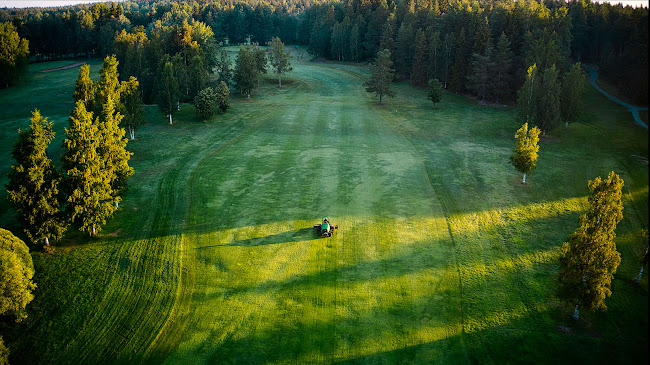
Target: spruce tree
502	68
571	95
404	50
435	91
527	96
34	183
108	85
167	89
434	54
447	54
460	67
481	79
524	157
131	107
85	89
224	69
279	59
16	273
547	111
112	150
87	180
590	259
381	75
420	59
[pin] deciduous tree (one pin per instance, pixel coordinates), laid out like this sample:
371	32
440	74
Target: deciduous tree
223	96
224	69
589	260
524	157
16	273
34	183
279	59
197	77
131	107
167	89
571	95
247	73
435	91
205	103
547	111
527	96
13	54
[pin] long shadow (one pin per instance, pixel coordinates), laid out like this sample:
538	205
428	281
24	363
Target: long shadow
288	236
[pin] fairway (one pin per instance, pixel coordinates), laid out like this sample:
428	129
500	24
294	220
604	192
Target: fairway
441	256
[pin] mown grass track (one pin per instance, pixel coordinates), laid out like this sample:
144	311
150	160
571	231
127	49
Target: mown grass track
442	256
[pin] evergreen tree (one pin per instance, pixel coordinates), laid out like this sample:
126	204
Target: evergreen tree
589	260
481	78
223	96
34	183
548	101
381	75
527	96
280	60
420	59
112	150
524	157
404	50
355	43
87	180
85	89
435	91
131	107
247	74
16	273
197	77
434	54
206	104
571	95
4	353
502	68
167	89
387	40
14	53
223	68
447	56
108	86
459	71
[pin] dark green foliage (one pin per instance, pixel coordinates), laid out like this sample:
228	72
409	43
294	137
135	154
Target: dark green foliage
34	183
223	96
481	78
167	96
460	67
260	58
420	60
381	75
524	157
435	91
84	88
131	107
206	104
571	95
181	77
404	50
503	68
279	59
88	182
547	112
527	96
224	69
16	273
590	259
197	77
13	55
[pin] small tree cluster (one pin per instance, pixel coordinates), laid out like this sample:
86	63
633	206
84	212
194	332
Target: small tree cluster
209	101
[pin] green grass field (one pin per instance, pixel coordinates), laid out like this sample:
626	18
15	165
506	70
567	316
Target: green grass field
442	255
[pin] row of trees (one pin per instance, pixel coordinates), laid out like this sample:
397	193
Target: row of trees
88	188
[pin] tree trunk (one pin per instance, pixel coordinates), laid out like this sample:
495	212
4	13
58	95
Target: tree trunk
524	180
576	313
566	124
179	106
94	232
638	278
249	95
379	99
117	204
279	81
47	243
170	118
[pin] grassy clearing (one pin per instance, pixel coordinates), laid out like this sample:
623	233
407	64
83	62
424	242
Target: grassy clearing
442	256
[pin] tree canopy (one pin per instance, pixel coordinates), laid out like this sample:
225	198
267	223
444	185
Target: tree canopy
279	59
524	157
16	273
13	55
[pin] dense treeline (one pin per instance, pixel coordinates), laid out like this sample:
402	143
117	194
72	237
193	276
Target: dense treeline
459	42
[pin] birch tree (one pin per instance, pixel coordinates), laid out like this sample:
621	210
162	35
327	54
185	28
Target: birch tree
279	59
524	157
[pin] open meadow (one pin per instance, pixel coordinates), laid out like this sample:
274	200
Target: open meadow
441	256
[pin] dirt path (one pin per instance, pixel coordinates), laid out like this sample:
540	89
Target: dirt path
63	67
593	75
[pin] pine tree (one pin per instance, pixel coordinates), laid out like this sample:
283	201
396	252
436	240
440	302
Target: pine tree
548	101
571	95
502	68
387	39
447	56
279	59
112	150
404	50
527	96
435	91
197	77
34	183
87	181
131	107
223	68
589	260
481	78
247	73
85	89
524	157
167	89
16	273
420	59
381	75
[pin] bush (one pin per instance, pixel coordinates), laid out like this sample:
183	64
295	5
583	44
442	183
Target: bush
223	96
206	103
